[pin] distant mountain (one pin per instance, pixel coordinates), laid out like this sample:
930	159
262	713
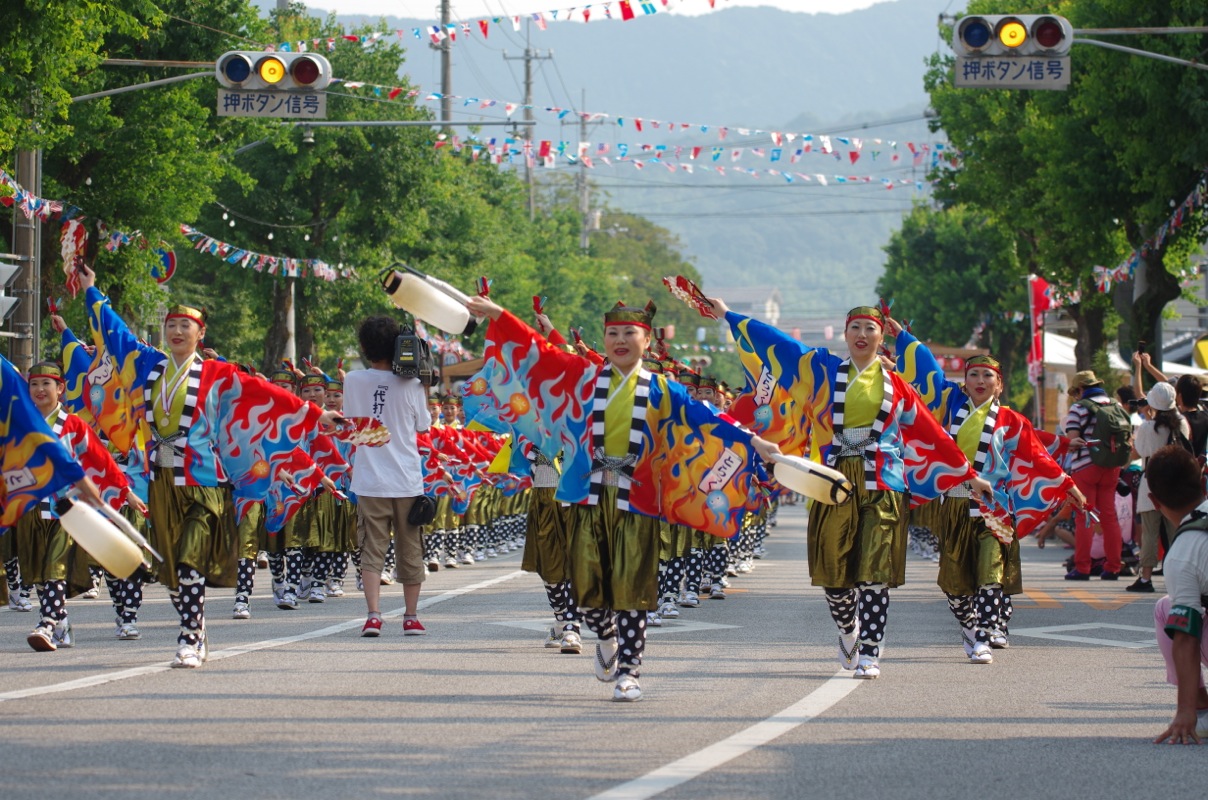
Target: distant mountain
846	75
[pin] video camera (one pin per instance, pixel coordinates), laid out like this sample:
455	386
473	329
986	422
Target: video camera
413	358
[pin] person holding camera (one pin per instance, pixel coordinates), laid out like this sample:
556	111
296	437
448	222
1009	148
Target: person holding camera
387	479
1166	426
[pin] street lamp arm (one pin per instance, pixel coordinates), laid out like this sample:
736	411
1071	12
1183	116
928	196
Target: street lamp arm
148	85
1134	51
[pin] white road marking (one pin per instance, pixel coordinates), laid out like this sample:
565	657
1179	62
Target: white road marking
696	764
238	650
1059	633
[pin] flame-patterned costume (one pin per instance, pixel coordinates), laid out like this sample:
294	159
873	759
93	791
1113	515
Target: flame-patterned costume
977	570
207	425
33	461
904	450
688	466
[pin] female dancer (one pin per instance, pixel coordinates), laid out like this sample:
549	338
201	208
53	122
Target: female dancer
631	442
979	569
210	426
870	425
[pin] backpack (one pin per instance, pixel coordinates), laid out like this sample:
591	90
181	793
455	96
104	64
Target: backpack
1113	434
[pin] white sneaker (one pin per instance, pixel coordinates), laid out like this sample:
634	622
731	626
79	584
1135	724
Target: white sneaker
127	632
571	643
490	551
387	578
19	602
627	689
999	640
91	594
316	595
288	601
451	563
62	634
868	668
554	639
668	610
187	657
335	588
480	555
717	592
262	560
241	611
968	639
982	654
849	648
467	558
42	639
653	619
689	600
605	664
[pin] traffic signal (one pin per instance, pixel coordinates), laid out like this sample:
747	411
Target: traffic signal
8	274
252	71
1010	35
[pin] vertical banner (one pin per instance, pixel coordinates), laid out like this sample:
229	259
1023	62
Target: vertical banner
1038	303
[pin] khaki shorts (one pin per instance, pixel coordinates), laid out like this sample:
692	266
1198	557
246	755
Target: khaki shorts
376	518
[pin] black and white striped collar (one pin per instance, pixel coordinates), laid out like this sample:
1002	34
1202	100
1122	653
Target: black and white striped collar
637	426
878	426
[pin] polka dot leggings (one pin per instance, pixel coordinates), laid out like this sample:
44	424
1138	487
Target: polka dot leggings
694	568
630	629
671	575
719	554
190	602
276	567
563	605
127	596
964	609
12	573
989	604
52	602
868	602
293	569
246	580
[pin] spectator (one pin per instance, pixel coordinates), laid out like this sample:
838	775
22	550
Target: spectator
387	479
1177	489
1189	389
1096	480
1166	427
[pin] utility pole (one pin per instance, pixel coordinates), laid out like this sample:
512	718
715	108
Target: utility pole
584	200
446	64
530	55
27	246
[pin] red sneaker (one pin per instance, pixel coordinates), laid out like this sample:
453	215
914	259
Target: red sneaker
373	627
411	627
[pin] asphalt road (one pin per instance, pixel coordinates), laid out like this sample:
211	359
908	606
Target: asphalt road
743	698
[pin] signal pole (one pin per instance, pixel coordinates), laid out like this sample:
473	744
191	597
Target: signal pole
530	55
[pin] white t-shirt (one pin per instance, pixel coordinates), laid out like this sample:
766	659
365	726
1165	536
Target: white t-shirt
392	470
1146	441
1185	568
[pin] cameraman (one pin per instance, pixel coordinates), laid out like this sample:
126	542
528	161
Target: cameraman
387	479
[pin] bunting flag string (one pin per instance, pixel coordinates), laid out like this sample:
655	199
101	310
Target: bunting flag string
782	144
1124	271
446	34
73	238
515	151
273	265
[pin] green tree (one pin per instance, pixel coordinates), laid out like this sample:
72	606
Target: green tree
950	270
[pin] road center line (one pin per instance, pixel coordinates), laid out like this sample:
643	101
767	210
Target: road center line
696	764
252	647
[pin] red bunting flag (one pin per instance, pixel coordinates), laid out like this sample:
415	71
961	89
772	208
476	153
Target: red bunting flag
854	155
393	93
626	10
544	148
482	26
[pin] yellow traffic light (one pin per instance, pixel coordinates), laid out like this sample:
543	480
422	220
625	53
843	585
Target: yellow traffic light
1012	33
271	70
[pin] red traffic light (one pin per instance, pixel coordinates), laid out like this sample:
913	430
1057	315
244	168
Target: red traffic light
1048	33
305	70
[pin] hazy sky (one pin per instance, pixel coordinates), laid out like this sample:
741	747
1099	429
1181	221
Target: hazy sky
467	9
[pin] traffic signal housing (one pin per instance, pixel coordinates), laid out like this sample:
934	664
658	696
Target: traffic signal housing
257	71
8	275
1010	35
